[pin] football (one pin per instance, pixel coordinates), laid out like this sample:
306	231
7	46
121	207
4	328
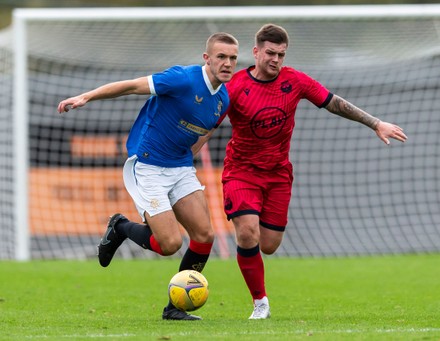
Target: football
188	290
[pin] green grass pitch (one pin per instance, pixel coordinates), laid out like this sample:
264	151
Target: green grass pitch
360	298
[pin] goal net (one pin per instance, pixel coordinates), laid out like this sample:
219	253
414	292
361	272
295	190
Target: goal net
61	176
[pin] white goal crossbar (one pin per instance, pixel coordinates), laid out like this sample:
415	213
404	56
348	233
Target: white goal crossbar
242	13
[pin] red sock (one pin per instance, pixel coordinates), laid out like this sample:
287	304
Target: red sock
155	246
201	248
251	265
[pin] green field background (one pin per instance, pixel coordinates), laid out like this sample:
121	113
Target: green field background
362	298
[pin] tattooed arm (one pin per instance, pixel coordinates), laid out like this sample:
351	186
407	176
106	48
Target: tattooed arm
343	108
384	130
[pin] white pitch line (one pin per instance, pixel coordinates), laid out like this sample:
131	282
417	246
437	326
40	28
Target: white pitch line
74	336
296	332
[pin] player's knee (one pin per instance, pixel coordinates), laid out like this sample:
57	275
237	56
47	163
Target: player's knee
171	246
207	238
268	250
247	236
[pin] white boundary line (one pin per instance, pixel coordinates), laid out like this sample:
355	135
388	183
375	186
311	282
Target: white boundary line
310	332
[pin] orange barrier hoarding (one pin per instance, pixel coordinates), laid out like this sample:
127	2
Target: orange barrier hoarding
77	201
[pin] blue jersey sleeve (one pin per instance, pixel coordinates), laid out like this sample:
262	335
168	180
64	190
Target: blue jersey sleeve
171	81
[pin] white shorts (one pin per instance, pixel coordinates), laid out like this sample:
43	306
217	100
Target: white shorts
156	189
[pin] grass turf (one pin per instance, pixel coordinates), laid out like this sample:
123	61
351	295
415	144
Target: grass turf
362	298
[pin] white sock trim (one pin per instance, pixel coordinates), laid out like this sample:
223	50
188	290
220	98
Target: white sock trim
263	300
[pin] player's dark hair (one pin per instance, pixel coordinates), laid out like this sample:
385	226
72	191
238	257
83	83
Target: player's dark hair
271	33
221	37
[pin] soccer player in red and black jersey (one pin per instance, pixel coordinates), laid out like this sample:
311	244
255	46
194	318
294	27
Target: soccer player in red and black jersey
258	176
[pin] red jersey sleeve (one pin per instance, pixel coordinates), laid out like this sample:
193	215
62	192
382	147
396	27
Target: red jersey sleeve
312	90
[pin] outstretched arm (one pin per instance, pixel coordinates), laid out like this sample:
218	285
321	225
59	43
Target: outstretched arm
138	86
384	130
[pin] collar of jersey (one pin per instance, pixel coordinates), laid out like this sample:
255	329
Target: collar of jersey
208	82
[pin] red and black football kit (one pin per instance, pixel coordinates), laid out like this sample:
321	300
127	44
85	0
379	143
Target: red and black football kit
258	175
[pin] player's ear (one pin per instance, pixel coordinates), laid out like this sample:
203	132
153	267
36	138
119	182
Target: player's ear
255	51
206	58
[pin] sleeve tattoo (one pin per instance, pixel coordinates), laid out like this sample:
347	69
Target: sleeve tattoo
343	108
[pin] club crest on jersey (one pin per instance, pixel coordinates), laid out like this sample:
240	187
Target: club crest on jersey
154	204
286	87
198	100
219	108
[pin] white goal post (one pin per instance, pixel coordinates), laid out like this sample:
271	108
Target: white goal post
383	58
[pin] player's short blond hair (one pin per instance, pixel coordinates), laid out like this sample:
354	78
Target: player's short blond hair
220	37
271	33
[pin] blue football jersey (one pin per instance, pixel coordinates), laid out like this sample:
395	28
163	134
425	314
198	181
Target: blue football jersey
183	107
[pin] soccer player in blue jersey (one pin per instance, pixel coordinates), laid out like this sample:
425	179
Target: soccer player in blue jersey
186	106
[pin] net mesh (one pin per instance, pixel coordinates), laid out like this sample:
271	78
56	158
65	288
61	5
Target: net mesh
352	194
